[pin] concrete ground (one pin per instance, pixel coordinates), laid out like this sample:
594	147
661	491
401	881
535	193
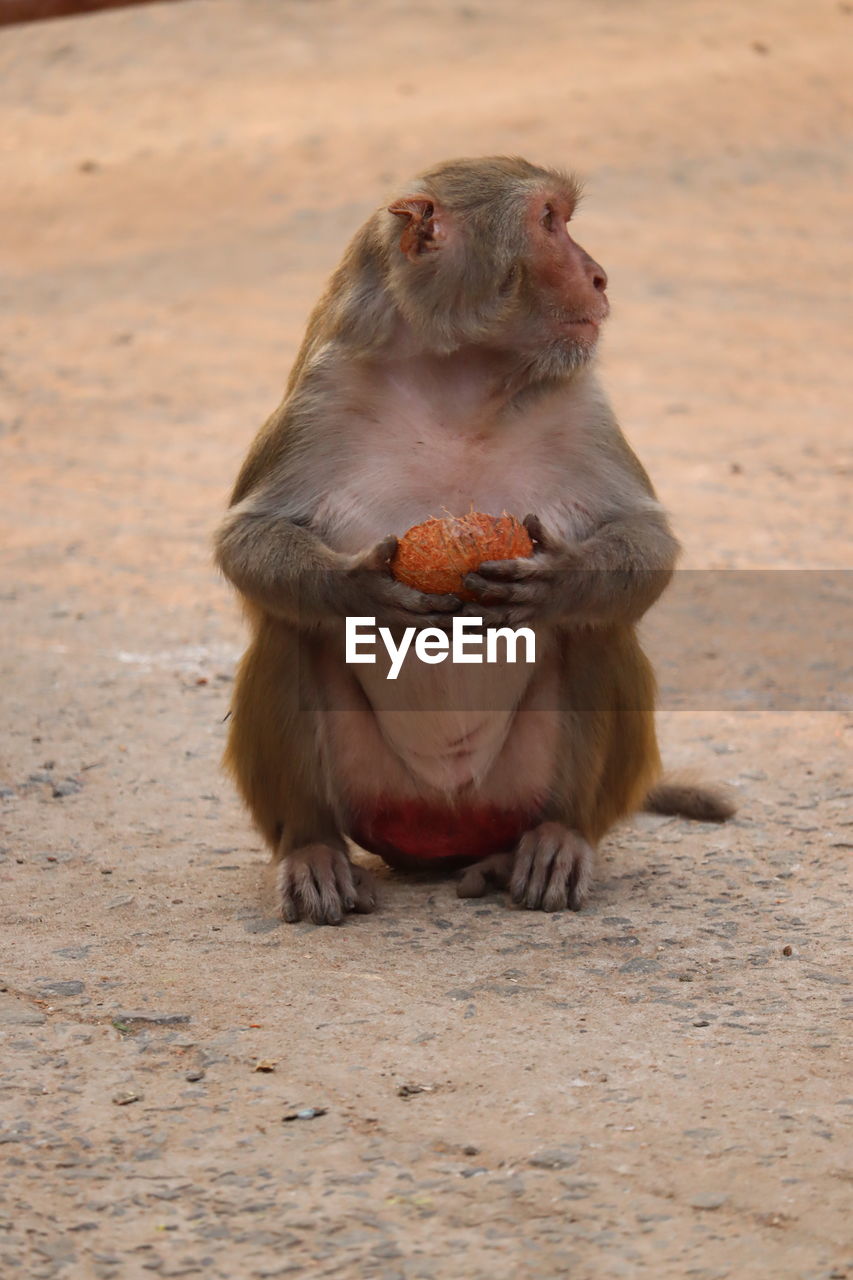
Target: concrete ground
655	1087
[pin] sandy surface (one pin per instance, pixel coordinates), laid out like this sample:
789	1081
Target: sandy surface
652	1088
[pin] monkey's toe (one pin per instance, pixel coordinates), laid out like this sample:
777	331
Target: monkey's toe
320	884
551	870
365	890
490	873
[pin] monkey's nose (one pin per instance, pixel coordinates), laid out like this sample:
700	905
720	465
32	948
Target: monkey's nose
599	277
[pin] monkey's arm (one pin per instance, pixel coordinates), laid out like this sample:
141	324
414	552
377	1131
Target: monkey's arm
284	568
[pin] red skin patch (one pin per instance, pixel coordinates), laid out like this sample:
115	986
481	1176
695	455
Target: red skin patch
412	832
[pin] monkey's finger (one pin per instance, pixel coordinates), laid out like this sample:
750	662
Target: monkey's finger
570	875
581	876
530	595
287	907
501	616
561	874
307	886
398	596
536	530
534	527
380	556
540	874
319	895
508	570
488	592
345	884
301	900
522	867
443	604
515	596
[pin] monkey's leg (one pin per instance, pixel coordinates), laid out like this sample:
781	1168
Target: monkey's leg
275	753
603	763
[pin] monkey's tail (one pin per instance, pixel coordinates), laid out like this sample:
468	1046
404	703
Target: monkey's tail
689	800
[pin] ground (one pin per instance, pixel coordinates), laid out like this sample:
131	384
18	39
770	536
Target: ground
654	1087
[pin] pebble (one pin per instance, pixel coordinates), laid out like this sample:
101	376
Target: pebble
708	1200
193	1076
409	1090
554	1158
49	987
15	1014
67	787
152	1019
640	966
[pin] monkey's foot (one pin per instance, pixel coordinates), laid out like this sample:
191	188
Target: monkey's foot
551	869
489	873
319	883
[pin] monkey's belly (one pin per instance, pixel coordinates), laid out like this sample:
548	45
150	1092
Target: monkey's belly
408	832
447	725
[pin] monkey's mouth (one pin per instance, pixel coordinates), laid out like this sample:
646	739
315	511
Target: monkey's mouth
582	328
587	321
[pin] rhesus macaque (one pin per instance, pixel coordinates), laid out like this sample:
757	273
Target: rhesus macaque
449	367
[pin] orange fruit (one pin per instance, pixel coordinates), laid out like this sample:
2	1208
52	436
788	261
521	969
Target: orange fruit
435	556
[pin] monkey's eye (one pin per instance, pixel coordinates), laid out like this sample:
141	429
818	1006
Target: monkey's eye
547	220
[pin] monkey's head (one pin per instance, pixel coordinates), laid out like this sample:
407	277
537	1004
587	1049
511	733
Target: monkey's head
479	252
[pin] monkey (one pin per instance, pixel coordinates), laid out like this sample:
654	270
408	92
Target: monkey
449	366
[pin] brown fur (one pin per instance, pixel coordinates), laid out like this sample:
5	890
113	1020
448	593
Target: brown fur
689	800
465	291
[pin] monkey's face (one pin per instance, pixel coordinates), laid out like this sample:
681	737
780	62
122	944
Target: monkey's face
569	284
484	255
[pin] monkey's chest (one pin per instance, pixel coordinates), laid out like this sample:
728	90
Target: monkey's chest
407	833
433	470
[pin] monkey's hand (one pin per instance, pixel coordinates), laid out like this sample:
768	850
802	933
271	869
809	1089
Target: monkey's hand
513	592
612	576
366	587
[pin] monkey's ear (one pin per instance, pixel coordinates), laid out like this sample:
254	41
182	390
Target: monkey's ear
424	227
